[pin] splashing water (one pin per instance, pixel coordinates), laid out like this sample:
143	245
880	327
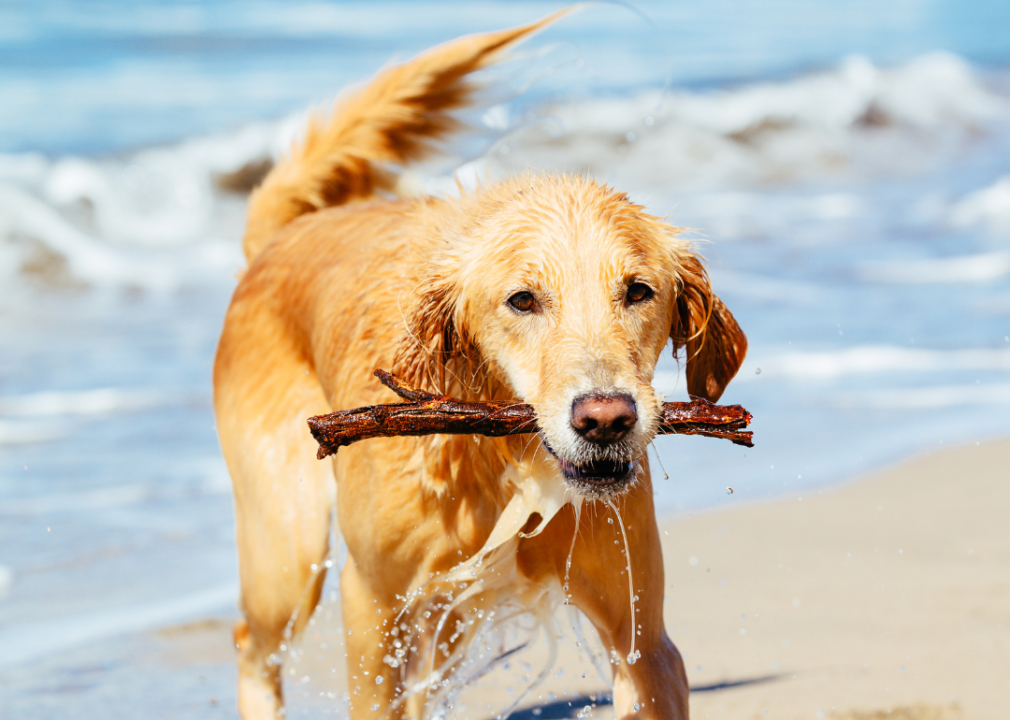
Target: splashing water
632	655
476	619
489	610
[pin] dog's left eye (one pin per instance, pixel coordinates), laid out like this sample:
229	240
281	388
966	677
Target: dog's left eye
523	302
637	292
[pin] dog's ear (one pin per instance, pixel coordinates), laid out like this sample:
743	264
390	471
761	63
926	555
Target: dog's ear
715	344
434	351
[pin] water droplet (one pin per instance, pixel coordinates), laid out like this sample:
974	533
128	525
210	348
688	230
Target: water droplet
758	371
375	707
729	491
636	707
610	521
379	679
633	658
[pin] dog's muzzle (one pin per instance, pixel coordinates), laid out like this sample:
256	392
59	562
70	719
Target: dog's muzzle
602	421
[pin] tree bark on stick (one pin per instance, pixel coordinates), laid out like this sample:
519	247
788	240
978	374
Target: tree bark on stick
428	414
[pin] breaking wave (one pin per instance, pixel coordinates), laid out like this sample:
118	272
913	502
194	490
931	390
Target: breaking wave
161	218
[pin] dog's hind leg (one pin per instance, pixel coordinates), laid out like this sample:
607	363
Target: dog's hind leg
368	618
284	499
280	590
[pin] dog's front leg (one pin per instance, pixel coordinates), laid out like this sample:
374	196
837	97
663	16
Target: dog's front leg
649	677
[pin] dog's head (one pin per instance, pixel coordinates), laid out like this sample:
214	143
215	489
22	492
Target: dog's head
565	293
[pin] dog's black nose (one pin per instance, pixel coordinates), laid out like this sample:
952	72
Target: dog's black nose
604	420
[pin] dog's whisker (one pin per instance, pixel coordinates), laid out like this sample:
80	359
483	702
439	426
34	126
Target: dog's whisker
659	459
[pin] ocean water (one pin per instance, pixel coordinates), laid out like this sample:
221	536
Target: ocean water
845	166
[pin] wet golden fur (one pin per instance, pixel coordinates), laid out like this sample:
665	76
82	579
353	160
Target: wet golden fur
342	281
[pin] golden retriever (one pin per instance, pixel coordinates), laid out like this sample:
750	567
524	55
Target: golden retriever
550	290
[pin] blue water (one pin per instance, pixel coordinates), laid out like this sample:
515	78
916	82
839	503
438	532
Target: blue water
107	76
867	257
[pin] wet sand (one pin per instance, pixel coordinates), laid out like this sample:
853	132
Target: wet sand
887	598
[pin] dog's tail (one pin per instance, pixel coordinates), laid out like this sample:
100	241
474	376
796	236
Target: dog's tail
392	120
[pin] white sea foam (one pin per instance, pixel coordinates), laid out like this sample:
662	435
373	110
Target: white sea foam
763	287
988	207
966	268
155	217
875	359
855	121
84	402
84	501
926	398
20	433
32	640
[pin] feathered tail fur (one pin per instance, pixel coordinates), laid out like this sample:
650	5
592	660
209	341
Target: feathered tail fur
393	120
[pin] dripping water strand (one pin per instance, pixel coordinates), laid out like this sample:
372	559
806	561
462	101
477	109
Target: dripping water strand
632	655
571	551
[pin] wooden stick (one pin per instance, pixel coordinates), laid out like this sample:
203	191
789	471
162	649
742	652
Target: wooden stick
428	414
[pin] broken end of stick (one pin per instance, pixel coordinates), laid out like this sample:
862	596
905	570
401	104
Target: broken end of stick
401	388
746	439
316	427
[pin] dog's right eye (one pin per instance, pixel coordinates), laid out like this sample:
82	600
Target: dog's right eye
523	302
638	292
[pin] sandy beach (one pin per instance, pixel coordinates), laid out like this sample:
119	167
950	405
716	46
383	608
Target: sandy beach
885	597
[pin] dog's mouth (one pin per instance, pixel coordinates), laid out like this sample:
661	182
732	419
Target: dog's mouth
597	472
600	474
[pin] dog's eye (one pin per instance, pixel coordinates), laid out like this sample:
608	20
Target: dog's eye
637	292
523	302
